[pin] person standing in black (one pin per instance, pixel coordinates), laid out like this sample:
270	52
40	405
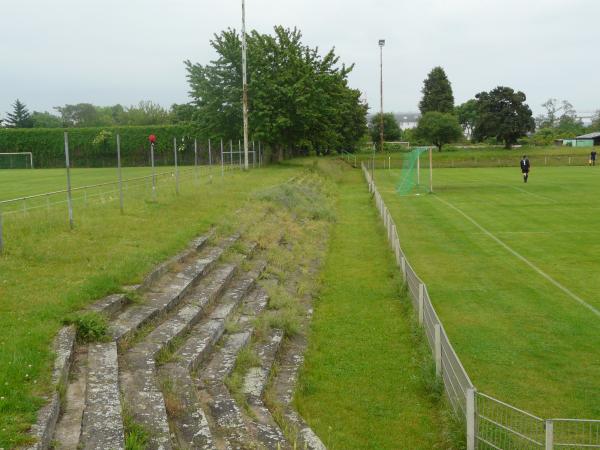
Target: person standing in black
593	158
525	168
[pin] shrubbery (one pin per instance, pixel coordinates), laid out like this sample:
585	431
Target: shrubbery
97	146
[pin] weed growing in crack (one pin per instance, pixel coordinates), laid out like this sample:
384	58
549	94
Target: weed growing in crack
90	326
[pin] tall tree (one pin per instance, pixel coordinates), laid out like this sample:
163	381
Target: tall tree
439	128
19	117
391	129
437	93
45	120
467	116
503	114
299	100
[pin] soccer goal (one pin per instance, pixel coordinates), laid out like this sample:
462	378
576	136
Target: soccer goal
410	178
21	160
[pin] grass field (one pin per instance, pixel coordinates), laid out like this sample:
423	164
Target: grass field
486	157
361	386
48	271
23	182
513	270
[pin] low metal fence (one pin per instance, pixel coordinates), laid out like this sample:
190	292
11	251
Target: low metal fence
490	423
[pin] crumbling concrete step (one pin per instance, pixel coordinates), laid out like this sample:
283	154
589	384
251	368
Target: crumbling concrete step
289	363
143	393
68	429
192	428
195	246
168	293
225	414
267	431
102	426
204	335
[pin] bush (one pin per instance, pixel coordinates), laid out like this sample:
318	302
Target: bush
96	147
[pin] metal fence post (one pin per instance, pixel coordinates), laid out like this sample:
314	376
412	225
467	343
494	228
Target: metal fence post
176	169
222	166
253	155
68	166
230	154
119	171
438	349
196	160
153	171
470	419
421	312
209	162
549	435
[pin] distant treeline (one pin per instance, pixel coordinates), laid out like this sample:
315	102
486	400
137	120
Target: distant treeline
96	147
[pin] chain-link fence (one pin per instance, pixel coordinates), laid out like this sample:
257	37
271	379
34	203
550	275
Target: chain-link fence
490	423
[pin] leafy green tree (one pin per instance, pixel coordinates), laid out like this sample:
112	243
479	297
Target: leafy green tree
182	113
439	128
467	116
19	117
79	115
503	114
45	120
437	93
145	113
391	129
299	100
596	121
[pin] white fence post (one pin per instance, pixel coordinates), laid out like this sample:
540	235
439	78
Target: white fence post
438	349
421	312
470	419
549	434
403	265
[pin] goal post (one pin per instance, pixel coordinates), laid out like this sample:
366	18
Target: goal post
410	178
16	160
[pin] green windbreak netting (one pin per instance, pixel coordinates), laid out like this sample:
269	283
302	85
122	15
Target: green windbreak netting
409	178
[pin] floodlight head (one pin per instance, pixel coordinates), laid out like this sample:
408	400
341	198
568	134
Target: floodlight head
381	42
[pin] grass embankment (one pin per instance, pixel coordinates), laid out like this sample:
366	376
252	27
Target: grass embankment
361	386
47	271
521	338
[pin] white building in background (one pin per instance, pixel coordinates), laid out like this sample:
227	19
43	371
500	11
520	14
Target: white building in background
407	120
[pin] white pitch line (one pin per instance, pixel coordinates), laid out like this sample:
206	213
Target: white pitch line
534	195
522	258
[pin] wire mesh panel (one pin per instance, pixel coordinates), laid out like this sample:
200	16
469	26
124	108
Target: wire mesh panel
412	281
501	426
456	379
572	434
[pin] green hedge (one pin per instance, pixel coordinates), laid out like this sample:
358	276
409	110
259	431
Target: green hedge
96	147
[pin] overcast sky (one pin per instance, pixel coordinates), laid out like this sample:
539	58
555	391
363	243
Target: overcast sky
123	51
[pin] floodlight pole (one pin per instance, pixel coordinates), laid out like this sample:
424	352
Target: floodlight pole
244	85
381	44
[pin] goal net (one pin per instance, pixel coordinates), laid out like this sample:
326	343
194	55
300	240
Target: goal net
21	160
410	178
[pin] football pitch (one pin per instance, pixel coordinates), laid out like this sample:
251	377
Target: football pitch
513	270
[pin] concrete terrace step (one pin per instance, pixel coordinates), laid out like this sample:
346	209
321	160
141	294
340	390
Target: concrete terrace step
192	429
267	431
225	415
167	291
141	389
289	362
102	425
